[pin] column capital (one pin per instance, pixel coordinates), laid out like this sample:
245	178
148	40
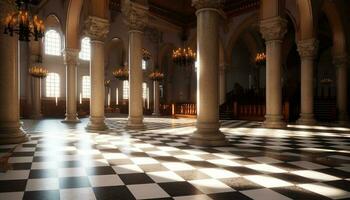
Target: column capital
273	28
201	4
96	28
308	48
70	56
135	15
340	60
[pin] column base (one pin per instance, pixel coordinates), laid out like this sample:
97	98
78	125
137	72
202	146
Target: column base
274	121
13	136
135	123
96	124
208	135
306	119
71	119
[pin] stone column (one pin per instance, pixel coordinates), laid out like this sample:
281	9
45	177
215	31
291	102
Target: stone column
340	62
10	126
222	84
36	104
307	50
273	31
70	57
156	98
97	29
208	18
136	18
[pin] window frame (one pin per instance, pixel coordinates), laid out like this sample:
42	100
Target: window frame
53	48
84	52
86	87
54	85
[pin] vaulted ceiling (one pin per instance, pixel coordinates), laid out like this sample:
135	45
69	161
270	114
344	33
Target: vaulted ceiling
181	12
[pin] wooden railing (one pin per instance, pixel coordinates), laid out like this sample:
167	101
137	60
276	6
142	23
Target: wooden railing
256	111
179	109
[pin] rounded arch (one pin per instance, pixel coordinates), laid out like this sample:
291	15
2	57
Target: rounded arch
72	24
245	24
53	21
115	48
306	21
338	35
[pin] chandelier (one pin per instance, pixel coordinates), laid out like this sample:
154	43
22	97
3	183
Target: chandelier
184	57
156	76
23	24
121	74
260	59
38	72
146	55
107	83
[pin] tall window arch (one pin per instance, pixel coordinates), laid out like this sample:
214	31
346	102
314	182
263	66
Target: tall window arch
52	85
126	89
85	51
86	87
52	43
144	64
144	90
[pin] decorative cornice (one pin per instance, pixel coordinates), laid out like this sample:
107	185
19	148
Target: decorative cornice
340	60
70	57
135	15
308	48
201	4
96	28
273	28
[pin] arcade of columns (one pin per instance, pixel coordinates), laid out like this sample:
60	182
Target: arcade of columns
273	29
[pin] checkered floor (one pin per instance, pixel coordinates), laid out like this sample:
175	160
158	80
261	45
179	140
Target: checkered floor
65	162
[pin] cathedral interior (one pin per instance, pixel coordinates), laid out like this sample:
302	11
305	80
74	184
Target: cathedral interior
174	99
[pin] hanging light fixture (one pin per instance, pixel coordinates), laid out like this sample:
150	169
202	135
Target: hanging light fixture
23	24
156	76
121	73
184	57
260	59
38	72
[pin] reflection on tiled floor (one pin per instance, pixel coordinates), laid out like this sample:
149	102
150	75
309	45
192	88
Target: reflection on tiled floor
66	162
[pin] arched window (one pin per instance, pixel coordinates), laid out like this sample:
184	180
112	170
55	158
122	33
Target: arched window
52	43
125	89
144	90
53	85
86	87
85	49
144	64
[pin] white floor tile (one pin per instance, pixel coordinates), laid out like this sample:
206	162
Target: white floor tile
147	191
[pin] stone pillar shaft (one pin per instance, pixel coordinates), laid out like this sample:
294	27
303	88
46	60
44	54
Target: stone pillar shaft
273	31
97	29
135	16
71	62
135	79
307	51
222	85
208	133
156	98
342	91
10	128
